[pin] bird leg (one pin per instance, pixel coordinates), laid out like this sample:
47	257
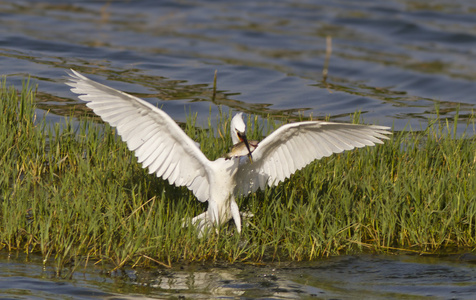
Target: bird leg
200	222
235	213
203	222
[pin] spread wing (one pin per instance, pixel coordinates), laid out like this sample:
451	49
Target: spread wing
292	146
157	141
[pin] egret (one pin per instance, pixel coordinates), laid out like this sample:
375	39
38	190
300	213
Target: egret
165	149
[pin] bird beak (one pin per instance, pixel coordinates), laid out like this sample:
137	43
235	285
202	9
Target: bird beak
242	137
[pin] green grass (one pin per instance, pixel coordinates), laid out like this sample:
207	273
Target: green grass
78	196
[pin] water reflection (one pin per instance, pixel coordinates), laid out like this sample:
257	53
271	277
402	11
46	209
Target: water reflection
345	277
342	277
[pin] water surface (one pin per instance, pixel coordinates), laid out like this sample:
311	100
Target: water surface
345	277
393	60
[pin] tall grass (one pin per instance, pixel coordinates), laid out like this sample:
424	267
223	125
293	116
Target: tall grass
77	195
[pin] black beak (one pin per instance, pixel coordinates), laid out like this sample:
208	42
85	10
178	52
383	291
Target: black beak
242	137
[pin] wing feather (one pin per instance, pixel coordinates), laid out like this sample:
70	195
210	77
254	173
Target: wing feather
284	163
170	171
159	160
342	141
157	141
297	157
330	144
134	138
292	146
150	147
321	147
287	154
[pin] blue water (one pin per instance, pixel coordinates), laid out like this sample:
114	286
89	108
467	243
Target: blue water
345	277
395	61
392	60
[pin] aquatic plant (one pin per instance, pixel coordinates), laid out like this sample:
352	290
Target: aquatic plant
73	192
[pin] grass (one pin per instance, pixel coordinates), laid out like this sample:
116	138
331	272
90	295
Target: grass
75	194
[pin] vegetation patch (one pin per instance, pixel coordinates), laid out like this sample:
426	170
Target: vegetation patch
77	194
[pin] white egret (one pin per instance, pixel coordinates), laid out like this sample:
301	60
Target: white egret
164	148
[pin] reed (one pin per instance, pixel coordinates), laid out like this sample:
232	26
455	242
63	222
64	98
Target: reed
75	194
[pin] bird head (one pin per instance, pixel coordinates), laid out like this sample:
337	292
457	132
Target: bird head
238	129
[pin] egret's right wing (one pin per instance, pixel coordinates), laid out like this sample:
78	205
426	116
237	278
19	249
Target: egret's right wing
293	146
157	141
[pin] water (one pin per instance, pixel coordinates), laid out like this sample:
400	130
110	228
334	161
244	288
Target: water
345	277
395	61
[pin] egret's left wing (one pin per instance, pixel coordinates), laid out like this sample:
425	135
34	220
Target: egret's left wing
293	146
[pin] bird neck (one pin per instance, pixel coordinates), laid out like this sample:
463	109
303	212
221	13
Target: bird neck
234	137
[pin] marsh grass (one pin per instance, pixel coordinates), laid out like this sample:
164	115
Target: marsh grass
76	195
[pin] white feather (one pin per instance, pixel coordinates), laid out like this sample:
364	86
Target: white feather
135	112
162	147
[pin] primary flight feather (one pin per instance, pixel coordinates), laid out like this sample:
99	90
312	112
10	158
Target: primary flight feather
164	148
